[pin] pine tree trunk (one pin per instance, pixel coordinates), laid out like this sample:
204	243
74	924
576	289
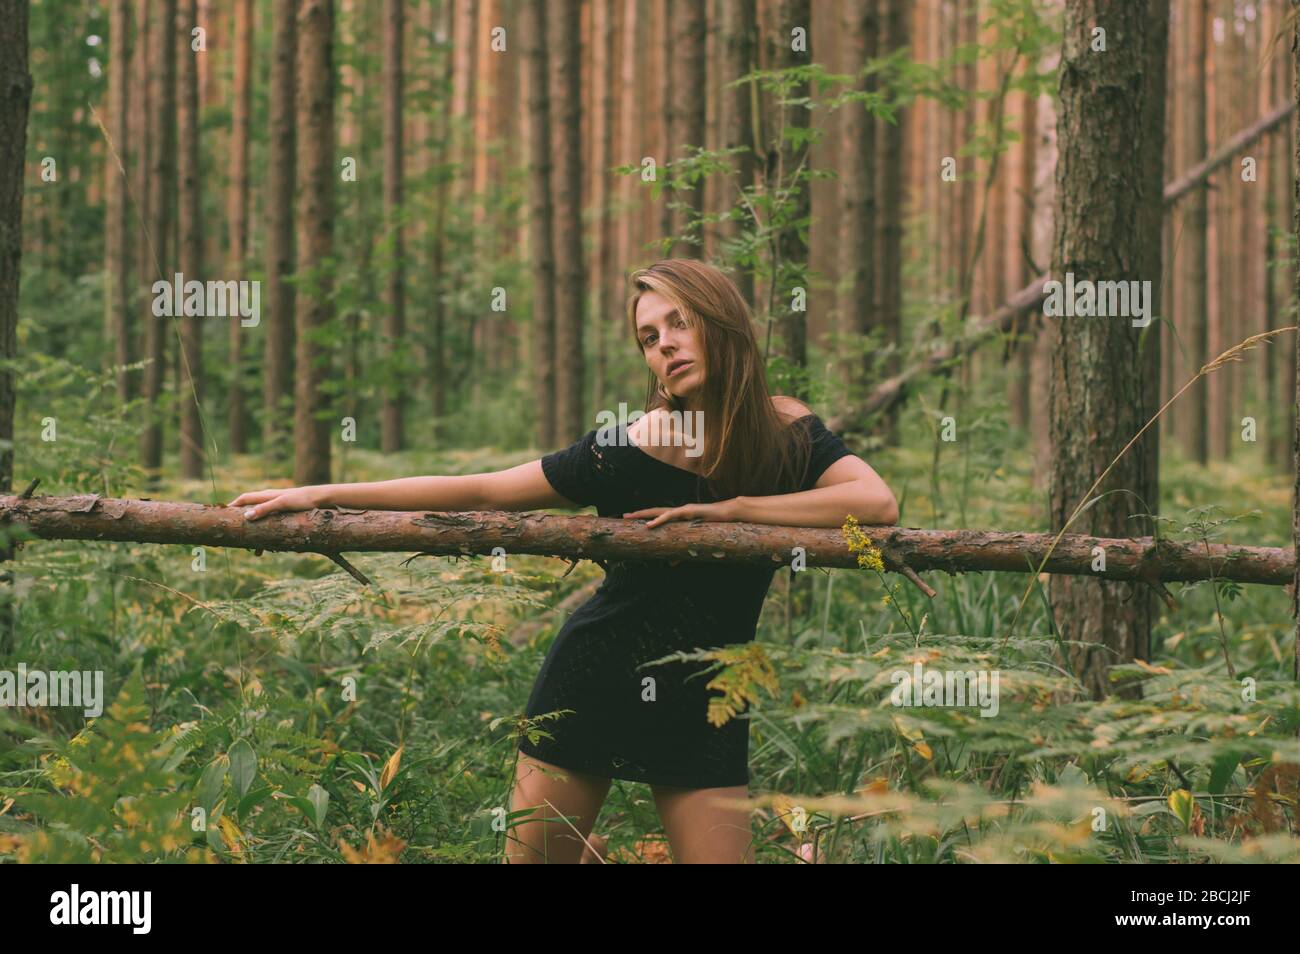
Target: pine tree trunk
688	29
281	182
1041	243
190	226
793	247
118	321
315	208
1098	391
438	366
162	189
566	185
141	137
857	166
237	215
541	252
394	295
1295	296
890	186
1194	256
15	100
737	110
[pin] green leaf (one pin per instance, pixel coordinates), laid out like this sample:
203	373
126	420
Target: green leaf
208	790
243	766
320	801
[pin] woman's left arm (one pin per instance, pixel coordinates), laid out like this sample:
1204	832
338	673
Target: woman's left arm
848	486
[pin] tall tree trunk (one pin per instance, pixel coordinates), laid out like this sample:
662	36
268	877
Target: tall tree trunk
890	186
1099	390
857	264
315	208
237	212
15	100
737	111
1041	242
1022	270
142	136
1295	297
394	297
664	12
604	306
118	319
1194	257
190	222
1278	286
281	179
485	321
793	247
541	253
438	365
688	29
566	179
162	188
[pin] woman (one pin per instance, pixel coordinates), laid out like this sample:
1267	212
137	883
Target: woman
762	459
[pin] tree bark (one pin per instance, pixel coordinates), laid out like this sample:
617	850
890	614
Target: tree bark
237	214
190	232
792	245
890	187
142	136
1194	325
281	179
1295	292
857	168
315	208
737	112
566	186
15	101
688	29
162	188
394	297
541	252
92	517
1105	232
117	303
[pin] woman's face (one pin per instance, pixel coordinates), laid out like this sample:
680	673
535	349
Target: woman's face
671	342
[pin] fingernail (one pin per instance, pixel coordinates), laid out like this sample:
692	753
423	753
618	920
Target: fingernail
249	513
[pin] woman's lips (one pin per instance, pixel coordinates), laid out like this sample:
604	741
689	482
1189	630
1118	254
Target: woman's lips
680	368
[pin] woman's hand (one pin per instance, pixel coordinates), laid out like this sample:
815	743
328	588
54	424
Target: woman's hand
275	501
722	512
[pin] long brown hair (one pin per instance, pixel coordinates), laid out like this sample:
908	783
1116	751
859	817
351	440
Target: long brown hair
750	450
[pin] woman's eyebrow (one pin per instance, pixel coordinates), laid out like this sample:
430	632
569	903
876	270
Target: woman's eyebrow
649	327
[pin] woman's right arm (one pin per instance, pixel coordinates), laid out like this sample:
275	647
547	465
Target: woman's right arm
524	487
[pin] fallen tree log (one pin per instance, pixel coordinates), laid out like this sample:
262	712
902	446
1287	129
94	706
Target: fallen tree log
331	532
980	330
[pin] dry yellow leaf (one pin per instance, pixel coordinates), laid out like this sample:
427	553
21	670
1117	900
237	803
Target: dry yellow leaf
390	768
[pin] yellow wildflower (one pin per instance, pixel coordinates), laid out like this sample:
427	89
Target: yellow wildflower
869	557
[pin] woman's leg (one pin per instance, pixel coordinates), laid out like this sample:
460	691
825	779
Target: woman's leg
703	830
543	837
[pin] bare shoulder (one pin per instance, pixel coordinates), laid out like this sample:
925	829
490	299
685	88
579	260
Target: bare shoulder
660	433
652	427
789	408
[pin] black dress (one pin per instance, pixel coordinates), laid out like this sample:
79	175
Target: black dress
650	724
